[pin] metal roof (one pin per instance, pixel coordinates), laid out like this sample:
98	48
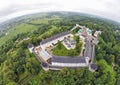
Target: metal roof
30	46
45	65
45	55
54	37
89	31
62	59
93	66
80	31
88	48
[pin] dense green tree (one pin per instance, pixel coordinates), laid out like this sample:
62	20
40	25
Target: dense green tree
78	47
59	44
77	38
19	66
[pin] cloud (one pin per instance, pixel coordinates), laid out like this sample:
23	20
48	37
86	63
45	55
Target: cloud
105	8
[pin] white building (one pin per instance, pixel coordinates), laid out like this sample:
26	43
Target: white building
97	33
53	40
44	55
69	43
62	61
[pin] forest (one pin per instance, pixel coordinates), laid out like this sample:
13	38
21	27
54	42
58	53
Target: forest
20	67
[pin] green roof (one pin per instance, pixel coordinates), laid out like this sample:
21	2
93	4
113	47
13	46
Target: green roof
89	31
79	31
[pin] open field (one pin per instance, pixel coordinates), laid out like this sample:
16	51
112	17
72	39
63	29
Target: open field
24	28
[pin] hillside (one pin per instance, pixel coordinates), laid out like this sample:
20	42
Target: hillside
19	66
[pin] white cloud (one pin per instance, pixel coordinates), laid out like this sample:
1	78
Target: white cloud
105	8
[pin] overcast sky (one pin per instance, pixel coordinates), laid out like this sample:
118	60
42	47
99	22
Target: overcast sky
105	8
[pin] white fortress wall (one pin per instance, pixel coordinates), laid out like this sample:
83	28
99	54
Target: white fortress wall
43	46
69	64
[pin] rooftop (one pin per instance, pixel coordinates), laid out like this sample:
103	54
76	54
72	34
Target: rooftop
45	54
45	65
30	46
65	59
88	48
54	37
89	31
93	66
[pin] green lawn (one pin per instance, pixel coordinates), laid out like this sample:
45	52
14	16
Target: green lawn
62	51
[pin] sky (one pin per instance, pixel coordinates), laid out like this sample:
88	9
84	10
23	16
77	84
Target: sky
105	8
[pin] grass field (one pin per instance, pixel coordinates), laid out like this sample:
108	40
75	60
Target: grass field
63	51
60	52
24	28
40	20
